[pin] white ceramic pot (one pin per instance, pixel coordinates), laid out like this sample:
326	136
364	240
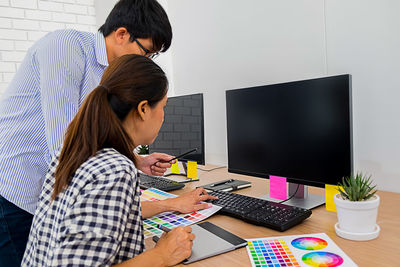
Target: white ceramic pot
357	216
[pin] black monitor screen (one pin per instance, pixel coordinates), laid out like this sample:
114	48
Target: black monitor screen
300	130
183	128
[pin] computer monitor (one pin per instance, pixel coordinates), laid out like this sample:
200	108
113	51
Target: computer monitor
183	128
300	130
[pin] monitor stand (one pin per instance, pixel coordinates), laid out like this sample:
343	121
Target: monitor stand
302	199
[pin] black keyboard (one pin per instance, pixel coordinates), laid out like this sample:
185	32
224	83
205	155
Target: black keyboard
147	181
259	211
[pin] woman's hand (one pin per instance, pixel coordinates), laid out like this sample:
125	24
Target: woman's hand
172	248
176	245
154	164
190	201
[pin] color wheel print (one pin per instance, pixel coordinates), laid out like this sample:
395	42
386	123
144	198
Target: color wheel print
309	243
322	259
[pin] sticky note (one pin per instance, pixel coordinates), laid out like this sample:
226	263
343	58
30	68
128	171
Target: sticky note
175	168
330	192
277	187
192	169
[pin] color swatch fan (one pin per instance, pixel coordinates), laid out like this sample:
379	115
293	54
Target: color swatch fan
316	250
170	219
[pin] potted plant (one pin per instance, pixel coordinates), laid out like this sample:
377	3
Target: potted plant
143	149
357	208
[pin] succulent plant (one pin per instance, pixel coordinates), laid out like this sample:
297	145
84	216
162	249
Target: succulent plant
143	149
357	188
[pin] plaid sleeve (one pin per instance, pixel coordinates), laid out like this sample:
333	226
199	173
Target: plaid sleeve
93	229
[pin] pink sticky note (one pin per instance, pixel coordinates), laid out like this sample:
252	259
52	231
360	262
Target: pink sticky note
277	187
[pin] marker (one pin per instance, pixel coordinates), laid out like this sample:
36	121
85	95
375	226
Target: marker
184	154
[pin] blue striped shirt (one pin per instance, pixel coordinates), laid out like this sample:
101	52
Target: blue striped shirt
57	73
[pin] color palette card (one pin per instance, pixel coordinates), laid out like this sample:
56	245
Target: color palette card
153	194
170	219
297	250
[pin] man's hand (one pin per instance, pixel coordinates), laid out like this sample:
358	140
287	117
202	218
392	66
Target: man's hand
154	164
190	201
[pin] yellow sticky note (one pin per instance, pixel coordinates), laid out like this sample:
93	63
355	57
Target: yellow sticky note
330	192
175	168
192	169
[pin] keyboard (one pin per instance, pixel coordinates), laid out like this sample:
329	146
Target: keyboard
147	181
259	211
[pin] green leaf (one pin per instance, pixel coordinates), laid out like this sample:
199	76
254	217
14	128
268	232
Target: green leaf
357	187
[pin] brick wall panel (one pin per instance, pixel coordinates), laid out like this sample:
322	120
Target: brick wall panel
22	22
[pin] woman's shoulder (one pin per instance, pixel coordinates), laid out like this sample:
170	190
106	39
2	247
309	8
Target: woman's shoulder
109	160
107	168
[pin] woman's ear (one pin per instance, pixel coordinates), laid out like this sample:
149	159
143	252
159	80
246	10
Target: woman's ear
143	109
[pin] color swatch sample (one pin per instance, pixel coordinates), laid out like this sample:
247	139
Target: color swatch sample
273	252
170	219
322	259
154	194
309	243
295	251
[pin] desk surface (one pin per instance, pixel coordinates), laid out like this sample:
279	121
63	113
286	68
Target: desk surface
378	252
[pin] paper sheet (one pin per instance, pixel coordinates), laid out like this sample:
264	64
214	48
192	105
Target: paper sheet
277	187
297	250
330	192
175	168
192	169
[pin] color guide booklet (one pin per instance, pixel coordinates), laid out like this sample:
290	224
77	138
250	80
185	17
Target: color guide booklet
170	219
297	250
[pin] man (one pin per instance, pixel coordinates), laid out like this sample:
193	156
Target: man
58	72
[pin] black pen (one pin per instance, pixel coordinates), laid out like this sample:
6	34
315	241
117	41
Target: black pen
184	154
222	182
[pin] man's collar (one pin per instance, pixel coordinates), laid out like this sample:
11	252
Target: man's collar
100	48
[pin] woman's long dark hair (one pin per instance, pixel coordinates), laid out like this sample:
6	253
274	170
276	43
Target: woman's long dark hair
126	82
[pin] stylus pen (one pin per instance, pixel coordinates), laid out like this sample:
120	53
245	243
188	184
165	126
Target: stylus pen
162	227
184	154
222	182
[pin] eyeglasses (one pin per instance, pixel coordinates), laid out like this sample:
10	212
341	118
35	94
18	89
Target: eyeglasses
148	53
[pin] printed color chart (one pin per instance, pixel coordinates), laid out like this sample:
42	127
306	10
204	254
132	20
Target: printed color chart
153	194
170	219
306	250
273	252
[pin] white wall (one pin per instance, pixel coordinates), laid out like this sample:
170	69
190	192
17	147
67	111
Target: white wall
364	40
228	44
22	22
103	8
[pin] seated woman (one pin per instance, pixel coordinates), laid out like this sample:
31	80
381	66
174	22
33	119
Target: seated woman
89	211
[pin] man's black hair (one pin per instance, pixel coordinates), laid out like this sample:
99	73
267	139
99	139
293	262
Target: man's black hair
142	19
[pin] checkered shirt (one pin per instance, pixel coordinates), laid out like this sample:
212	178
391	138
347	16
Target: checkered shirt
96	221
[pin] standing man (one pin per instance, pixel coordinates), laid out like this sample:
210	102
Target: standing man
58	72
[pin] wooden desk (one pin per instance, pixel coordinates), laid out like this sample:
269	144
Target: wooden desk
378	252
